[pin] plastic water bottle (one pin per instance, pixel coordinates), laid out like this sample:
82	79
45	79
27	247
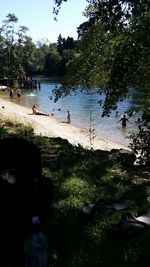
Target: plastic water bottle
35	246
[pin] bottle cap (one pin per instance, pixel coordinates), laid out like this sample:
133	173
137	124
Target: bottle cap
35	220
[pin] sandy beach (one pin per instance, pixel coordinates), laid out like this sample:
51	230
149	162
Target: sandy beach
51	127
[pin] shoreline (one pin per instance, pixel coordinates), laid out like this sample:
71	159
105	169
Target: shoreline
49	126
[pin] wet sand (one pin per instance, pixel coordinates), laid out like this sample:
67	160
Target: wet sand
51	127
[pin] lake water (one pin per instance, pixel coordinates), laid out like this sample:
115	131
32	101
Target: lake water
80	105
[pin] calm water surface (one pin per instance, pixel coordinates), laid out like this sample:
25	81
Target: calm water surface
80	106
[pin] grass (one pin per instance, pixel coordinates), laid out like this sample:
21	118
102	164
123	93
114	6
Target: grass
79	176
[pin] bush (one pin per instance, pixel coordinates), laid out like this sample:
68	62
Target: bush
141	144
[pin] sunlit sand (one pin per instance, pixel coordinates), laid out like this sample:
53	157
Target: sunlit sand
51	127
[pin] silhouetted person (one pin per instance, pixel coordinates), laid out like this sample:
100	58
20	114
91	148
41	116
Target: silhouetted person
39	85
11	92
24	192
124	120
68	117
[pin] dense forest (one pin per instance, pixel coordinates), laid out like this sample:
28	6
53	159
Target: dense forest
20	56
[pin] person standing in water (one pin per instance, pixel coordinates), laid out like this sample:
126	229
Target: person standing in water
117	114
18	92
68	117
11	92
124	120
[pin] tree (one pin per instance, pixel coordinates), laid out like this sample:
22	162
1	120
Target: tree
113	52
13	42
29	57
53	62
19	56
60	41
8	33
113	48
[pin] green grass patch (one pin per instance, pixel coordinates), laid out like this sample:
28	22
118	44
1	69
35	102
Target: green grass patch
79	176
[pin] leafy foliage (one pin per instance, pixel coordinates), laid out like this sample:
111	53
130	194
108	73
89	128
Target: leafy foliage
113	54
20	57
141	144
116	56
113	48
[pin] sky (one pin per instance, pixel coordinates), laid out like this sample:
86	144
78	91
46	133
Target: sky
37	16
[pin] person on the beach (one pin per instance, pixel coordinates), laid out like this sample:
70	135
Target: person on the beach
68	117
124	120
35	112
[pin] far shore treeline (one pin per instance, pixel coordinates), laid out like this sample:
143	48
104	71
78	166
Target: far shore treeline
20	56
